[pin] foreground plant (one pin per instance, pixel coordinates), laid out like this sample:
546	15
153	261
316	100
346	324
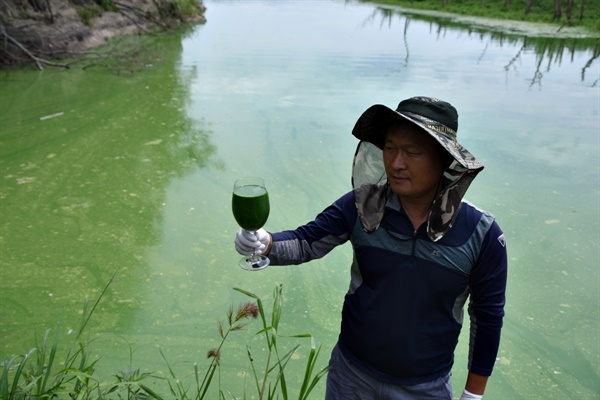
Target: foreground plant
269	379
273	375
235	323
38	375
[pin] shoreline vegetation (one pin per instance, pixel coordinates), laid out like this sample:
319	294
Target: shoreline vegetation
549	18
54	369
545	27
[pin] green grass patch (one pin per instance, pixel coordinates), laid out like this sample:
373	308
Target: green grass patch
543	11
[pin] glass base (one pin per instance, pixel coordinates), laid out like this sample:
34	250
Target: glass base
254	263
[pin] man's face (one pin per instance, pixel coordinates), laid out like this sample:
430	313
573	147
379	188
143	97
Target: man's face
413	162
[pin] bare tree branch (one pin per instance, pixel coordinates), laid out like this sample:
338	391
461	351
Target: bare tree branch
37	60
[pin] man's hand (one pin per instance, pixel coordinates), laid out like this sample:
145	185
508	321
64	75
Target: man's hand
246	242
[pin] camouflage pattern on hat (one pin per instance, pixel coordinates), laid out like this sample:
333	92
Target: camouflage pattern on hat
445	206
426	113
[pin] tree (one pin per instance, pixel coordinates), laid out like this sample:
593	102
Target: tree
557	10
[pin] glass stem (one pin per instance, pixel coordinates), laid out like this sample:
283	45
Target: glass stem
253	256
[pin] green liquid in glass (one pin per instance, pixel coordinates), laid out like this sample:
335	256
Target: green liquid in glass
250	205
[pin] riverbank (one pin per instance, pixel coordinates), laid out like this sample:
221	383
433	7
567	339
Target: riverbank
45	31
539	22
522	28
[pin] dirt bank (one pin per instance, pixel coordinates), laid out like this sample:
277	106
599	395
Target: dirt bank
43	28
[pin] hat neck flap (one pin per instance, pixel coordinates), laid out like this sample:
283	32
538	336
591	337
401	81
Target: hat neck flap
367	166
370	204
445	207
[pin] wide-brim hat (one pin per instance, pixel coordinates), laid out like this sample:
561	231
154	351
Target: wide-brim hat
436	117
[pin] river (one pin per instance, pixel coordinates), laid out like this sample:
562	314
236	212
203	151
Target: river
132	173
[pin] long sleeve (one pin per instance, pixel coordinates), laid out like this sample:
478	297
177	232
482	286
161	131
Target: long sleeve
486	307
330	228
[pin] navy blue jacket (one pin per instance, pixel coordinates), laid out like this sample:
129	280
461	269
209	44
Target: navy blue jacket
403	312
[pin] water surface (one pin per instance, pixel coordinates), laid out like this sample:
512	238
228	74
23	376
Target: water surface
134	173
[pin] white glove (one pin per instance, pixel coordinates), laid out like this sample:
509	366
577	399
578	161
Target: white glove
466	395
246	241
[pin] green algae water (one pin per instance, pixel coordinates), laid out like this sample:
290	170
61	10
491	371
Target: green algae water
250	206
132	173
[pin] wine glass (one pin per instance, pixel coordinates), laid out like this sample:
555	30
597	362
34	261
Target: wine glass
250	205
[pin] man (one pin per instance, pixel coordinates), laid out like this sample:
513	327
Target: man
420	251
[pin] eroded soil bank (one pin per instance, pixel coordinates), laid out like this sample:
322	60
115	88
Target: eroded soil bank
40	29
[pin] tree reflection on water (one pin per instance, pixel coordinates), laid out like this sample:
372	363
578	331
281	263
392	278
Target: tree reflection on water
549	50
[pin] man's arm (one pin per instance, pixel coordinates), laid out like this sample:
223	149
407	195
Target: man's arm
315	239
486	309
476	383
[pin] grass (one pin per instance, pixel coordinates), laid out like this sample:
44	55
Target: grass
37	374
540	11
276	363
